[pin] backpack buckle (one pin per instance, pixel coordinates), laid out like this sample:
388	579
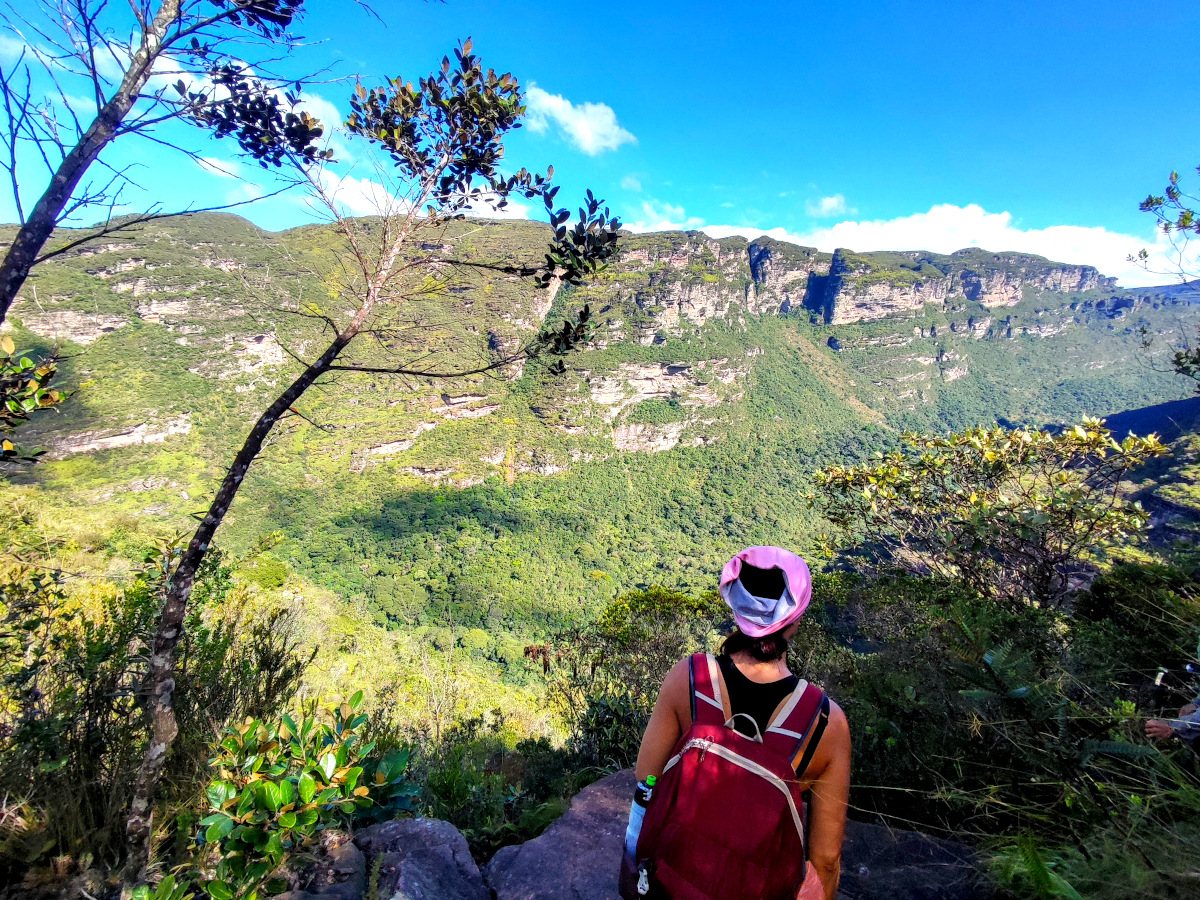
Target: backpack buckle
643	885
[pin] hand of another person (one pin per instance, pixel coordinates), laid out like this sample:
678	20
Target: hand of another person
1158	729
1187	709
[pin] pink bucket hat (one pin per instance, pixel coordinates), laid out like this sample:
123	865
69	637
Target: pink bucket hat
759	616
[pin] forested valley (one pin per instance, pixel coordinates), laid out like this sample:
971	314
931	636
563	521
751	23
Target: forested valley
450	574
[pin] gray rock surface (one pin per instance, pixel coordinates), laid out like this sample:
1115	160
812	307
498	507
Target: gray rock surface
880	863
422	859
341	873
578	856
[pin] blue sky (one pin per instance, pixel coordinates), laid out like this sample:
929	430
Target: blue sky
898	125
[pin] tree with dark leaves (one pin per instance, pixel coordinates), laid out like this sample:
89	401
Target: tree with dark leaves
207	62
437	148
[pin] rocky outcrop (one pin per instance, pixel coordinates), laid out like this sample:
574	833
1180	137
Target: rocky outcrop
422	859
67	325
143	433
643	438
409	859
867	286
857	291
578	856
688	278
785	270
691	384
1005	284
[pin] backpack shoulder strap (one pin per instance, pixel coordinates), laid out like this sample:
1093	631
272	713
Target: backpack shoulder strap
707	705
806	712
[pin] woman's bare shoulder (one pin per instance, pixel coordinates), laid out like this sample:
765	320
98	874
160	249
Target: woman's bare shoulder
679	678
837	732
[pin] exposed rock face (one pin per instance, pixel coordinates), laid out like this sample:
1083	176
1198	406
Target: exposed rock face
863	287
418	859
1004	287
144	433
634	383
577	858
856	292
67	325
689	279
340	875
464	406
647	438
422	859
245	356
992	288
785	269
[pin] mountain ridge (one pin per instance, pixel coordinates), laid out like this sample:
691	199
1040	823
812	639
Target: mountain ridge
709	380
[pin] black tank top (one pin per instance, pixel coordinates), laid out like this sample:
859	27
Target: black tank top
752	698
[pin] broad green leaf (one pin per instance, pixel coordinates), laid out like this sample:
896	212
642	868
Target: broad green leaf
308	787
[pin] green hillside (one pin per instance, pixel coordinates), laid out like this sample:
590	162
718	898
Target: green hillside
519	503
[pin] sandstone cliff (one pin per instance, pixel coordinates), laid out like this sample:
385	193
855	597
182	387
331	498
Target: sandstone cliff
866	286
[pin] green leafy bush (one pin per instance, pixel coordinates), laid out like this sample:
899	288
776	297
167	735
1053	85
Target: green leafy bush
498	789
279	785
1019	515
24	390
71	669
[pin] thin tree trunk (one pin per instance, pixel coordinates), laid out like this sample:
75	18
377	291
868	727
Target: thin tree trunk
24	250
160	679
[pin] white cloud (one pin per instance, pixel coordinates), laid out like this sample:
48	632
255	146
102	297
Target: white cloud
359	196
828	207
657	216
946	228
222	168
11	48
630	183
590	127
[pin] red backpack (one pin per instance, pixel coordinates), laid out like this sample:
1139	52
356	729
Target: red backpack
727	819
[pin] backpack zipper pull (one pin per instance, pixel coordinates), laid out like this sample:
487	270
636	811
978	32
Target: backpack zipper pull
643	885
703	750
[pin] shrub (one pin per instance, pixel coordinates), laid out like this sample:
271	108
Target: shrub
71	671
278	785
498	790
1019	515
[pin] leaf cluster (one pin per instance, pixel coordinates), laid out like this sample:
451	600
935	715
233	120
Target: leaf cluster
267	128
271	17
1015	513
278	785
447	131
586	248
24	390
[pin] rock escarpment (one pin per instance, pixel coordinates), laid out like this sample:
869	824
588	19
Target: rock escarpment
866	286
675	279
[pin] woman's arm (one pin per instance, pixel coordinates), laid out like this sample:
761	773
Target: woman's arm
830	798
672	714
